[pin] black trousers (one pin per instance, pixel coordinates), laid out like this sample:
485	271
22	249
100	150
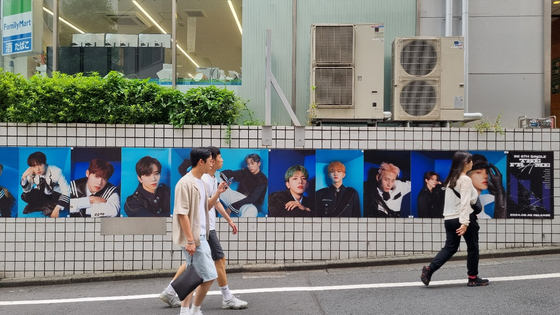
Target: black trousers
452	245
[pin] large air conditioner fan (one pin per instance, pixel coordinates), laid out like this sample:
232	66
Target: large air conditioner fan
333	87
427	79
419	57
419	98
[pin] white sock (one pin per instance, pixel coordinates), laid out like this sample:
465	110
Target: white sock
226	294
195	309
184	310
170	289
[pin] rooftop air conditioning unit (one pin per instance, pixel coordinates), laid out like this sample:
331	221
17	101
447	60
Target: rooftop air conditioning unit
347	63
427	79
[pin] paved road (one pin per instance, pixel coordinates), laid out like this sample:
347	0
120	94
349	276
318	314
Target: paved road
519	285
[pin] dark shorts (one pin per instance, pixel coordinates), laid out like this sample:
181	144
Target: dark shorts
215	246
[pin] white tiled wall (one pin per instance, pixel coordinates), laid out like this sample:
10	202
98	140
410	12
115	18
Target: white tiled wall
44	247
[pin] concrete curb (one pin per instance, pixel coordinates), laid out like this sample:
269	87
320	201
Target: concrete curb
314	265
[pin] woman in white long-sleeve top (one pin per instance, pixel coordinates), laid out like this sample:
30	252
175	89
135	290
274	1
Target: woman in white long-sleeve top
460	220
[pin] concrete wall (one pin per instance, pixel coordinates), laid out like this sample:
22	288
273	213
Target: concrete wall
33	247
506	54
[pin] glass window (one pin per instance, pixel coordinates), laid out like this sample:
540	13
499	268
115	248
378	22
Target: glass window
209	37
134	37
129	36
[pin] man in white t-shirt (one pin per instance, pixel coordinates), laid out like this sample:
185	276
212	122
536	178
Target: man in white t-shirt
228	300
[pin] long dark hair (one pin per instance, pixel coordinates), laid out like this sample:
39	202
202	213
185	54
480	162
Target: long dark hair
460	158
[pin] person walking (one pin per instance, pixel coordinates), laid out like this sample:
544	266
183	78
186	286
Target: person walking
190	228
460	220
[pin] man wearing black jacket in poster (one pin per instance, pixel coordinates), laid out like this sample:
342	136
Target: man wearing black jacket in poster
337	200
251	190
383	197
431	197
292	202
151	198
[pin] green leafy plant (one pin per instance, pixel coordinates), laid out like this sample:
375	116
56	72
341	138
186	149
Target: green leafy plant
312	111
114	99
485	125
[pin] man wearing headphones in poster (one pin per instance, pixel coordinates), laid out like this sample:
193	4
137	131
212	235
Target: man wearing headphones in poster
93	195
385	200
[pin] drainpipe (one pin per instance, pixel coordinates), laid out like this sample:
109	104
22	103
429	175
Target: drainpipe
465	27
448	18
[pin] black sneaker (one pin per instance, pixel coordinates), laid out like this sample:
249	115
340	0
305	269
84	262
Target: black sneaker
477	282
426	275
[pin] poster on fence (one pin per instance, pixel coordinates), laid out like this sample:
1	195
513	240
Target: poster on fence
530	185
38	182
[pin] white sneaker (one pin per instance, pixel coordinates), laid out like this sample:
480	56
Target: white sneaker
187	312
197	313
171	299
234	303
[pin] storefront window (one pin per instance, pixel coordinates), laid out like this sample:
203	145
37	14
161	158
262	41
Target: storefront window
24	43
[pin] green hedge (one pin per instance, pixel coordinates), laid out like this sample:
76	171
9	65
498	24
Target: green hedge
114	100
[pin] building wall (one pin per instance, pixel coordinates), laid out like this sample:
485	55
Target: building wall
34	247
399	17
506	66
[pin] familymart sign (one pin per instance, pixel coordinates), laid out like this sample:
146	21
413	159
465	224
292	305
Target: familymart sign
17	27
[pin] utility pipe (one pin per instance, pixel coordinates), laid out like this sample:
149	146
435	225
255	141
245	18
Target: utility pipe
465	27
448	18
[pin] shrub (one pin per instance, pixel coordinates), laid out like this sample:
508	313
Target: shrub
113	100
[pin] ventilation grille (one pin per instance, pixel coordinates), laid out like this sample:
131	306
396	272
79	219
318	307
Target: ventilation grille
334	45
126	19
333	86
419	57
195	13
418	98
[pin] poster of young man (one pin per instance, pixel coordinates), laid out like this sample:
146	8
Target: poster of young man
530	186
387	184
291	183
146	183
247	170
9	170
96	178
44	175
180	165
339	183
427	196
488	175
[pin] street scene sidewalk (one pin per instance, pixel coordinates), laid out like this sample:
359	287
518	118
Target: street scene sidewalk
313	265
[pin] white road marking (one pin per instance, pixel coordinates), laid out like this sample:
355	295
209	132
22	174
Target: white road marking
281	289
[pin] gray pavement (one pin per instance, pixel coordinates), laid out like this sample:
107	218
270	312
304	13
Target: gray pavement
314	265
